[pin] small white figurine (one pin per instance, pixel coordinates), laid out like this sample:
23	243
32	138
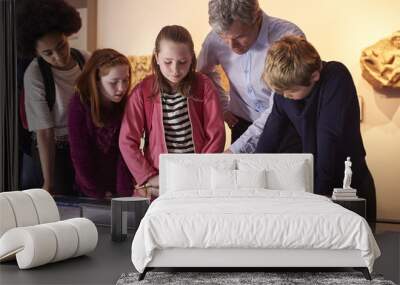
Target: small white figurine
347	174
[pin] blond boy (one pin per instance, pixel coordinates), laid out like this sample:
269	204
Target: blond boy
320	100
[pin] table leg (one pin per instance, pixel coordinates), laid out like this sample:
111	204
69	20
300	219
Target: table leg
116	221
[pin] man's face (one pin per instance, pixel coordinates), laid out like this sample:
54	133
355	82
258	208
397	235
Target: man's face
240	37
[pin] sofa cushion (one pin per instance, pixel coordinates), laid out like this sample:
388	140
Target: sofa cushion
40	244
45	205
23	208
7	220
31	232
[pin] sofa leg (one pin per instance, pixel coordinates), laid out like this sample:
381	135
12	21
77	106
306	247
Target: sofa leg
143	274
364	271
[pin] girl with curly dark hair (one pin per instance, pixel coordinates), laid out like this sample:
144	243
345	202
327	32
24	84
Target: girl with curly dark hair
43	28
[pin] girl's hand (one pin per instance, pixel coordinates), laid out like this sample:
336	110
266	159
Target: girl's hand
153	186
153	181
153	191
142	191
149	189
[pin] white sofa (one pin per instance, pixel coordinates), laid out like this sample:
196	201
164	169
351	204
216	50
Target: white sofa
31	231
241	210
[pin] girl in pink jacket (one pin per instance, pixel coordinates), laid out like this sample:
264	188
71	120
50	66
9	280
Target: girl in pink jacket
175	109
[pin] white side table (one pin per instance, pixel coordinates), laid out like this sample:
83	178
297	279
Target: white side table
119	215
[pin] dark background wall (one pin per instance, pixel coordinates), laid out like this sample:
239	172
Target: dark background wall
8	98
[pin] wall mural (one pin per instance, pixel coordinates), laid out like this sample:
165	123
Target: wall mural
380	63
141	67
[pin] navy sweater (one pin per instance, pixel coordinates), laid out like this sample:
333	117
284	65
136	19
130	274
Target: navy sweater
328	122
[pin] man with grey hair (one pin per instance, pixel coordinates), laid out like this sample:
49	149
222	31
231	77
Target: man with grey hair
240	38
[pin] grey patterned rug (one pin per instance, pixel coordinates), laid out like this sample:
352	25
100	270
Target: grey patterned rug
243	278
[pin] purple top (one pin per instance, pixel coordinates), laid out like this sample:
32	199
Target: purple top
95	154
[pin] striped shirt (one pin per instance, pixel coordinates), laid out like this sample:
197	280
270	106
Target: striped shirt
177	126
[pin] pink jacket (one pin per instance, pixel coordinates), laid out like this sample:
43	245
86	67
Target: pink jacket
143	116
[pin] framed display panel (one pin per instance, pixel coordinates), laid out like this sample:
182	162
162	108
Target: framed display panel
86	38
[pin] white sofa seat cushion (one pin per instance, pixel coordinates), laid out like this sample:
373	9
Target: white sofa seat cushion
32	246
45	205
67	237
40	244
31	232
87	235
23	209
7	218
26	208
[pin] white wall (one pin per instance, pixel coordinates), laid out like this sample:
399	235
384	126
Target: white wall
338	29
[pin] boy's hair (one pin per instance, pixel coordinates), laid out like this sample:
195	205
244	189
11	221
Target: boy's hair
37	18
99	65
290	61
177	34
